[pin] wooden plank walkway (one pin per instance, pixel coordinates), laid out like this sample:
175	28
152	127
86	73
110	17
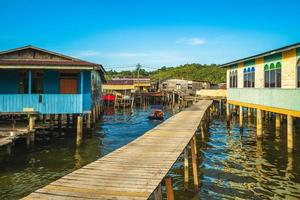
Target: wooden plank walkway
135	170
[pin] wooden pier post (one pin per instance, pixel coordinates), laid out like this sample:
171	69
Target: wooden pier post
290	133
186	168
79	130
249	111
195	166
59	121
8	149
94	116
158	193
169	188
68	120
259	124
88	120
277	122
241	116
52	121
31	123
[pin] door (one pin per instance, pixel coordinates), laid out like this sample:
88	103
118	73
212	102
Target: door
68	86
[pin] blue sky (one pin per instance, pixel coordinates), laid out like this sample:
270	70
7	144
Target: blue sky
119	33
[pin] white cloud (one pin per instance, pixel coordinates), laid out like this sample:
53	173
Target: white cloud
192	41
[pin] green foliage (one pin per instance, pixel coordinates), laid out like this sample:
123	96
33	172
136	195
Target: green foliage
198	72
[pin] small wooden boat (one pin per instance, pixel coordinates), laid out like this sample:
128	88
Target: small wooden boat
156	114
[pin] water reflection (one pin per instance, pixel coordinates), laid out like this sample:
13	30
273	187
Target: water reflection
234	164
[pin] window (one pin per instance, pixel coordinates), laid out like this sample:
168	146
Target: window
249	77
233	79
273	75
178	86
298	73
37	83
190	86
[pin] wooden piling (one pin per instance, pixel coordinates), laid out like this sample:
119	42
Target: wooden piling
88	120
169	188
31	123
158	193
195	166
59	120
259	124
241	116
290	133
186	168
8	149
79	130
277	122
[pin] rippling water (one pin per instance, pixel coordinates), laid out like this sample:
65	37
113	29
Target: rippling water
233	165
54	156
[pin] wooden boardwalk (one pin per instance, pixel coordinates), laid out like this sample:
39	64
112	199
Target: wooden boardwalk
135	170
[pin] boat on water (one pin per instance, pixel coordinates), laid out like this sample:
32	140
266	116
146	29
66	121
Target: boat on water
156	114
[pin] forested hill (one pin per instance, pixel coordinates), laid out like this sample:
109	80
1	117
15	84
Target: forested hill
212	73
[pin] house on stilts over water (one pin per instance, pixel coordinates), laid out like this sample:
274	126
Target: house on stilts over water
268	83
40	82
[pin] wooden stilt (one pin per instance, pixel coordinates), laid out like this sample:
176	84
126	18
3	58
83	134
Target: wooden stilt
8	149
241	117
195	166
31	123
290	133
59	121
94	116
186	168
158	193
249	111
259	124
277	122
79	130
88	120
68	120
52	122
169	188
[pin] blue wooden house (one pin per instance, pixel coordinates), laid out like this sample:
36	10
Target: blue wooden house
34	80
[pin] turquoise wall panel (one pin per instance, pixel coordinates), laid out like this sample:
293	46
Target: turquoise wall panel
9	82
278	98
50	104
87	97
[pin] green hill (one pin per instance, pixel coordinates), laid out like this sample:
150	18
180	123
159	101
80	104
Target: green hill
198	72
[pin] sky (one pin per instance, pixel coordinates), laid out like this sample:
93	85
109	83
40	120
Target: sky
121	33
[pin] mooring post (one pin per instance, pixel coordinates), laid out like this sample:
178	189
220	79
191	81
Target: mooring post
259	123
186	168
290	133
195	167
169	188
79	130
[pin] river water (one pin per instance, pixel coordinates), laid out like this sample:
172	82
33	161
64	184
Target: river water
232	165
53	157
